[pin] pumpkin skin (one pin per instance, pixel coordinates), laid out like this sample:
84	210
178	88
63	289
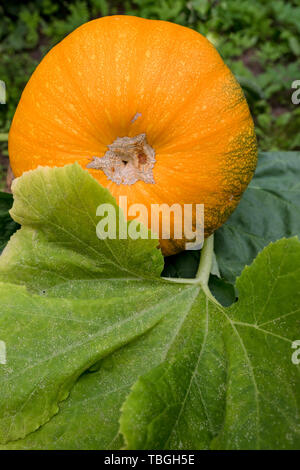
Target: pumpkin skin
123	76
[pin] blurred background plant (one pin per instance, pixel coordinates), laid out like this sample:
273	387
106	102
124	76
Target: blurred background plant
259	40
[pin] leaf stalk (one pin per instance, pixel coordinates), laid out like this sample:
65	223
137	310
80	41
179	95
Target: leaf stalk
204	269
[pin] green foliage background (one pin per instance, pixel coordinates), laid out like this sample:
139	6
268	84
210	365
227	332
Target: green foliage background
259	40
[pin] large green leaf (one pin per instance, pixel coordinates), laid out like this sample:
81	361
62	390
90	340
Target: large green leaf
230	382
7	225
117	344
204	377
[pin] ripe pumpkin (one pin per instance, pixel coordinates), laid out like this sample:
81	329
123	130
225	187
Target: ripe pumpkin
156	101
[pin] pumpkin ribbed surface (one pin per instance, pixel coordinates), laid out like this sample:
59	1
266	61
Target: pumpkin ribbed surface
123	76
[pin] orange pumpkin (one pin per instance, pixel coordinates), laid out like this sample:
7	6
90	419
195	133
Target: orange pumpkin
156	101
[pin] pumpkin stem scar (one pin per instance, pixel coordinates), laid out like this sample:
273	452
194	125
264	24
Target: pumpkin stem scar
128	160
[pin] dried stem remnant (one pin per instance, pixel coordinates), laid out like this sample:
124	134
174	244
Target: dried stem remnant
128	160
